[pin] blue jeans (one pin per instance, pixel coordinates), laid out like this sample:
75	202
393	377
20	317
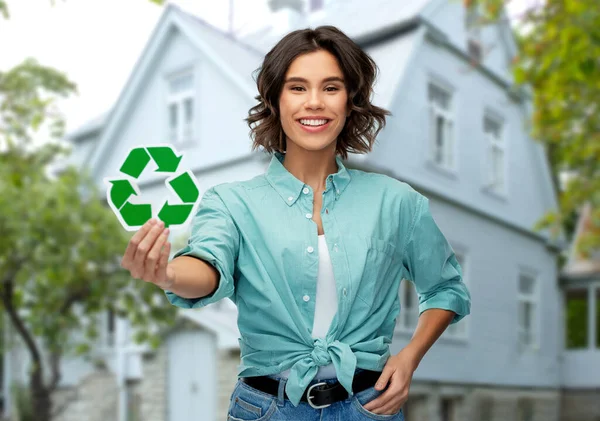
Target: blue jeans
249	404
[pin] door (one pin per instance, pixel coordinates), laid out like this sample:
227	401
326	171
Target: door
192	376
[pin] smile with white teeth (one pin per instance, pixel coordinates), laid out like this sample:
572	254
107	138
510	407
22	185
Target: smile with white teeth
313	122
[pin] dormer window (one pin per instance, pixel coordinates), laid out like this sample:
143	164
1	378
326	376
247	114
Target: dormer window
180	107
473	23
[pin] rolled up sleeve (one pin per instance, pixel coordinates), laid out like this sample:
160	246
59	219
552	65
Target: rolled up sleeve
430	263
214	239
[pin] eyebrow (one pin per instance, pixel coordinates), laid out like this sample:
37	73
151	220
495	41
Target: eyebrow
328	79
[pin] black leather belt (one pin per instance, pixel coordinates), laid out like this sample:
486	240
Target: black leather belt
321	394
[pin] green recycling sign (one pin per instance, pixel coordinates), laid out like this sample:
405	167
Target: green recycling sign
120	190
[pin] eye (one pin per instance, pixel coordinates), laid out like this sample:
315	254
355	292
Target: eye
331	87
293	88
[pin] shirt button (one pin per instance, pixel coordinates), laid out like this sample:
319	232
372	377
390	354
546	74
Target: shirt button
308	215
306	298
335	248
290	198
345	291
310	249
337	191
305	190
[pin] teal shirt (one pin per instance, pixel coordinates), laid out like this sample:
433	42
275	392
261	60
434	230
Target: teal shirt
260	236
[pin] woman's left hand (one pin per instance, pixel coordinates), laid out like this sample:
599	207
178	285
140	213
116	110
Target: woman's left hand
398	372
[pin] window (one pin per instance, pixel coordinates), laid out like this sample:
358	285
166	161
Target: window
180	106
576	315
473	23
409	307
492	129
441	126
524	410
450	409
485	408
527	311
459	330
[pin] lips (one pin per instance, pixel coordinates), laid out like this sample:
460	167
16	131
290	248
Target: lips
314	129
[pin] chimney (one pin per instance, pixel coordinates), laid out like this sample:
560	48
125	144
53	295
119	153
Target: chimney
287	16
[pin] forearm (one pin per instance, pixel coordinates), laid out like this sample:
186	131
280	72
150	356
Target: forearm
430	326
193	278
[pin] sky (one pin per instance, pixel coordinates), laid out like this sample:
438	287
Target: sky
97	42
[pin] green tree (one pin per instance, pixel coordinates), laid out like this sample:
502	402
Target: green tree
558	65
61	245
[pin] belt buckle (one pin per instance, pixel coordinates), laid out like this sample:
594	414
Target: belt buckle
308	397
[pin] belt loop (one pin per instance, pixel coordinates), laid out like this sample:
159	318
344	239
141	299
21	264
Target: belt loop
281	392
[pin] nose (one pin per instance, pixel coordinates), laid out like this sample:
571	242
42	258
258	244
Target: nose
314	101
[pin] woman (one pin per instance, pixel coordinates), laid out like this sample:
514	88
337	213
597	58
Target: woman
312	253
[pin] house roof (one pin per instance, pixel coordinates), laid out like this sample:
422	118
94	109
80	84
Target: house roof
580	267
235	60
241	57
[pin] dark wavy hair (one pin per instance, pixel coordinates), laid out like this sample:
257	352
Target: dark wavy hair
359	69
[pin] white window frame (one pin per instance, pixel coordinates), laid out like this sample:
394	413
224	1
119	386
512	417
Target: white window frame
496	182
184	133
533	299
460	330
447	151
409	315
592	290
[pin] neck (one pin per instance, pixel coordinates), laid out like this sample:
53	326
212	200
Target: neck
311	167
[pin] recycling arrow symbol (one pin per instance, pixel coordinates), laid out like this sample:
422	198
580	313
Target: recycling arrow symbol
120	190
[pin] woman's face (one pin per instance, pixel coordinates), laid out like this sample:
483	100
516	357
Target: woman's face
313	101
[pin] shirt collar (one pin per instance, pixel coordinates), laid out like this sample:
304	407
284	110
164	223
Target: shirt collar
289	187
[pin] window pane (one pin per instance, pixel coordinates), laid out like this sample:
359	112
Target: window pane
408	295
576	315
526	284
173	122
597	317
439	138
188	107
448	144
492	127
173	116
189	110
525	410
439	97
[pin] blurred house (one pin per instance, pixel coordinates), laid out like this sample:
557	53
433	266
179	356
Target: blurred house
458	134
580	280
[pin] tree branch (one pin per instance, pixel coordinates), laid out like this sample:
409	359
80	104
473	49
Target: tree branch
55	367
7	300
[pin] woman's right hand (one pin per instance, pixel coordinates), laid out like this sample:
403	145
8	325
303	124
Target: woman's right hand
145	258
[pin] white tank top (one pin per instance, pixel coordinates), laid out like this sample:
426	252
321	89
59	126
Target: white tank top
326	306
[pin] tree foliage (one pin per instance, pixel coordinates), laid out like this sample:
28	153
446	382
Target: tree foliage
558	66
61	245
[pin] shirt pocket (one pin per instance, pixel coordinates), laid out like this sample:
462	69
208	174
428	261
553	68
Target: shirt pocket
377	268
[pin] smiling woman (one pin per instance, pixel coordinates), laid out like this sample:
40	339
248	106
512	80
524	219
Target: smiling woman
312	253
311	76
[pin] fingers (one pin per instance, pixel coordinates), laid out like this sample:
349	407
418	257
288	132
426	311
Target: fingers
144	247
388	403
163	262
376	405
127	261
150	272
